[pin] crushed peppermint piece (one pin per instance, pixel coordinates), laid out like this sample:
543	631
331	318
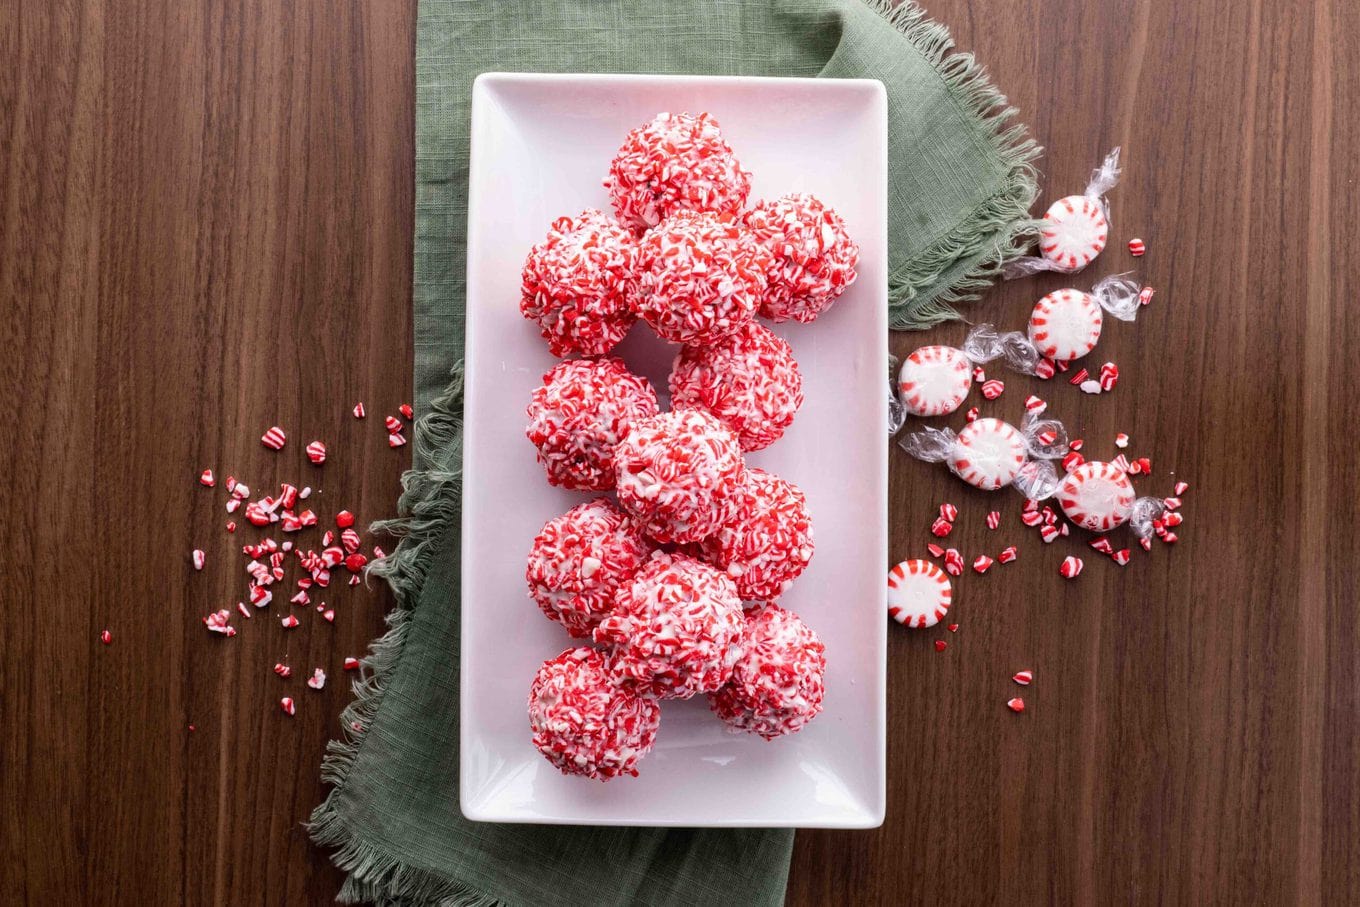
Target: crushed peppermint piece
317	680
1016	705
287	705
1024	678
274	438
316	452
206	478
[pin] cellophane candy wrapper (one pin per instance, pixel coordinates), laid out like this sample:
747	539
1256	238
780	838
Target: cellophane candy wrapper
1081	224
897	413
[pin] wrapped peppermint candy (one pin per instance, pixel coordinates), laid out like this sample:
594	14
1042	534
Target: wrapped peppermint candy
989	453
1075	228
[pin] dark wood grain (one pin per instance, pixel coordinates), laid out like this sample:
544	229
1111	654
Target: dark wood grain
205	229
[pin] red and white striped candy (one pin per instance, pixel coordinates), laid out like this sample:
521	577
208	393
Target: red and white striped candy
1121	557
1121	440
317	680
935	550
1035	404
919	594
1102	545
1135	468
1072	460
982	563
1065	324
953	562
288	706
198	557
307	518
231	525
979	376
993	388
1146	542
1121	463
351	664
316	452
1043	369
993	519
406	410
1096	496
233	504
1007	555
392	423
282	669
395	440
302	598
988	454
289	622
1172	519
1171	503
941	527
1071	567
1109	376
260	596
934	380
1031	518
274	438
1024	678
1079	379
206	478
1047	437
949	512
359	411
1048	532
1016	705
1137	247
1074	232
350	540
971	415
1181	488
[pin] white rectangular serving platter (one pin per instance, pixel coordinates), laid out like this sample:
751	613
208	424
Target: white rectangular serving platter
540	146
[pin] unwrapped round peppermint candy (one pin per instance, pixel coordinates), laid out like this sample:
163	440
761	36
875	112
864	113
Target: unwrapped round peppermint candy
584	721
934	380
766	548
580	559
700	277
919	594
1096	496
1074	232
988	454
577	285
676	628
681	475
812	260
749	380
1065	324
778	684
677	162
582	411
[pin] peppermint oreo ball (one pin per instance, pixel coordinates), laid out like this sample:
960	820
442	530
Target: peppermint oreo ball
580	559
677	162
700	278
584	721
576	418
676	628
680	475
778	683
577	283
766	548
749	380
813	258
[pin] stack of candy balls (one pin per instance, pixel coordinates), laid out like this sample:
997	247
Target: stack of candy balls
671	584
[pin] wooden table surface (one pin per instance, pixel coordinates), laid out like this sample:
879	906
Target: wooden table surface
206	230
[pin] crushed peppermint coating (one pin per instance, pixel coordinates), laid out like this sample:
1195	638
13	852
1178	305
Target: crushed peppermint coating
813	258
919	594
1073	231
1096	496
770	544
580	560
934	381
680	474
700	278
578	283
584	721
677	162
274	438
748	380
777	684
988	454
584	408
316	452
1065	325
676	627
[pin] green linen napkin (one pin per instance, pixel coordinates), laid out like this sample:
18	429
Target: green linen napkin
960	185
